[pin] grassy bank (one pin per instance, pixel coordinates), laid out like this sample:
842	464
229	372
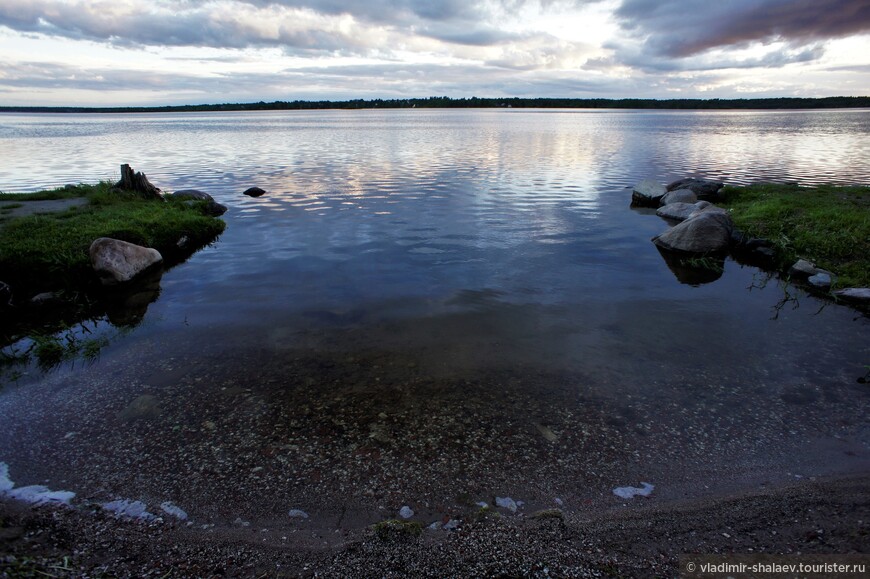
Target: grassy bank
49	251
828	225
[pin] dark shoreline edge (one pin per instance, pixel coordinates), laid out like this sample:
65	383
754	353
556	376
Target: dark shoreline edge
782	103
810	517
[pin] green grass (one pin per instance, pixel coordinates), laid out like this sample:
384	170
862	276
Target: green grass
828	225
55	245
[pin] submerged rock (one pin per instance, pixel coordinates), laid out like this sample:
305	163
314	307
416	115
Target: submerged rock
406	512
704	232
297	514
117	261
679	196
647	193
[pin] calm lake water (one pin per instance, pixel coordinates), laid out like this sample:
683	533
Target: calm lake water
433	304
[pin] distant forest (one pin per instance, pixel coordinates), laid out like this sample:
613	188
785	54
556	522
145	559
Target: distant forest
475	102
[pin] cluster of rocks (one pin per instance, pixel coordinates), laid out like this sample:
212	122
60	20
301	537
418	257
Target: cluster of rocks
118	262
703	229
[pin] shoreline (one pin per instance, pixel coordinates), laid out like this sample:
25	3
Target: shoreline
826	516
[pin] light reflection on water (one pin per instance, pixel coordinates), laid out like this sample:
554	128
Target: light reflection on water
481	266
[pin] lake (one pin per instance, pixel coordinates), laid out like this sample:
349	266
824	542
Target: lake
432	308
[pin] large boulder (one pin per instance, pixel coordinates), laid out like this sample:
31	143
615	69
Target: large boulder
117	261
704	189
647	193
679	196
704	232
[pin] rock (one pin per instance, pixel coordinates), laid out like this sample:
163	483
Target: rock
5	295
215	209
680	211
704	232
691	271
254	192
128	509
170	509
704	189
854	294
194	194
647	193
679	196
506	503
406	512
820	280
117	261
297	514
630	492
803	269
46	299
709	208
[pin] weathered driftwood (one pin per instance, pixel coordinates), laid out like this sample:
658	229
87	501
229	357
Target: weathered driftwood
138	183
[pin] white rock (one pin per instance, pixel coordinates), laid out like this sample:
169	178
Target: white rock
117	261
861	294
40	495
631	492
129	509
406	512
506	503
297	514
170	509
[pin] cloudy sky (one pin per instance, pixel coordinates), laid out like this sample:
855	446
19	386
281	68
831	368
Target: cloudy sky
140	52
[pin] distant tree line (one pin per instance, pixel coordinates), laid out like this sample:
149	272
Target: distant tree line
475	102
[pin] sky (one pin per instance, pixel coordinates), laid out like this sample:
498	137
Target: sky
158	52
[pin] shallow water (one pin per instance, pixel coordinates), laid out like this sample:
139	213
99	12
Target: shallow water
435	308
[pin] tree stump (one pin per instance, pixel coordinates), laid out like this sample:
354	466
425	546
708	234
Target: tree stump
138	183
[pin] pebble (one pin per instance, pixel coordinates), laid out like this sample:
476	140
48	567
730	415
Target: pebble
631	492
297	514
506	503
406	512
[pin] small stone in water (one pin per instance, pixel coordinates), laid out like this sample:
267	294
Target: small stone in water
406	512
297	514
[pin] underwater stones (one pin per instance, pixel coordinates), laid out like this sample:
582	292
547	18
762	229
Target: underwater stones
704	232
297	514
406	512
117	261
145	406
647	193
679	196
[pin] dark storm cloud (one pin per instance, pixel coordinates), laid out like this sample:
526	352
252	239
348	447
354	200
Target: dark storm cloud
681	28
